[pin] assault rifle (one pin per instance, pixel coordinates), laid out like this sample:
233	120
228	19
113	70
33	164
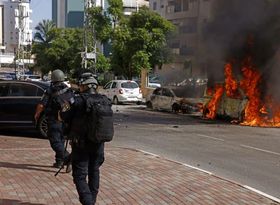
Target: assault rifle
66	162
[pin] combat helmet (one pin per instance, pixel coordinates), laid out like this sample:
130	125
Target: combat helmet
57	76
88	79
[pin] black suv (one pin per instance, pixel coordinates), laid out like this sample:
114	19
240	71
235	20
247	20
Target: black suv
18	100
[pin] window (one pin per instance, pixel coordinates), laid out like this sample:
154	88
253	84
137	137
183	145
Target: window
129	85
22	90
157	91
3	90
108	85
155	6
178	6
114	85
166	92
185	5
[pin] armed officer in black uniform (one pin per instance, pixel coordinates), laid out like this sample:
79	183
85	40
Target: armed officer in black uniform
55	126
87	156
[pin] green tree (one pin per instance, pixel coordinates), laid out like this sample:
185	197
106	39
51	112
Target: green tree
42	39
138	41
63	51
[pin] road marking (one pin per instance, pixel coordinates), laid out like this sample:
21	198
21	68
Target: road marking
210	173
262	193
202	170
213	138
258	149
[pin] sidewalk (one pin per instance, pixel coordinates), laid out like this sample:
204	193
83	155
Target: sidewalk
127	177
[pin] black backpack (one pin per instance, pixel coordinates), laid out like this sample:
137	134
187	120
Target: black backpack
61	97
99	118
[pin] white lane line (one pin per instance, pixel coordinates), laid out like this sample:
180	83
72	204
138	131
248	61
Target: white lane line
258	149
202	170
213	138
210	173
262	193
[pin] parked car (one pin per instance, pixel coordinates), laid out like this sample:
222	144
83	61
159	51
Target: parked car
30	77
164	98
122	91
18	100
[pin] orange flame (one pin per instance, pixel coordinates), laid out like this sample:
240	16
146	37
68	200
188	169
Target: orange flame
214	102
231	84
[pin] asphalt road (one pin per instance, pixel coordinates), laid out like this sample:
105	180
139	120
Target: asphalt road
247	155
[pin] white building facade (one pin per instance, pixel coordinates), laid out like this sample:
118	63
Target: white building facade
15	28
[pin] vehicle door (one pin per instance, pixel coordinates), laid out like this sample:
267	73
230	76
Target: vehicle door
167	99
156	98
114	91
4	112
22	99
107	89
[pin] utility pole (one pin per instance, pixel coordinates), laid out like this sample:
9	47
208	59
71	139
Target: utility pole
20	15
89	51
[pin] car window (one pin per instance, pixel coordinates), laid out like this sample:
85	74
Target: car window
129	85
40	92
167	92
114	85
23	90
108	85
3	90
157	92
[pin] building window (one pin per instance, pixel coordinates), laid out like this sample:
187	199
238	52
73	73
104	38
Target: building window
188	51
185	5
175	44
178	6
155	6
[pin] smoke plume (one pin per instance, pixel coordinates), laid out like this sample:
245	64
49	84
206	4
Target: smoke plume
226	36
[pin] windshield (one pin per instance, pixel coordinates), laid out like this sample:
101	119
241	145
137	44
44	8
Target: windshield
129	85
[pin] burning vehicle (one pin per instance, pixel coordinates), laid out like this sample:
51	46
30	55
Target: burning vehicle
242	98
241	48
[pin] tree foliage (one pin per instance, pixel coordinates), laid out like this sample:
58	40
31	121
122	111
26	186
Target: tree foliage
138	41
57	49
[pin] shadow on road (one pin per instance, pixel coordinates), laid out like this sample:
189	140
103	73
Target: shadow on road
15	202
26	166
20	132
142	115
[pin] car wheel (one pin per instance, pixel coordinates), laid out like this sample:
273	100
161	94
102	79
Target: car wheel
115	100
175	108
149	105
42	126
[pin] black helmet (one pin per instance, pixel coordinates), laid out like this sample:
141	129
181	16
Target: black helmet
57	76
88	78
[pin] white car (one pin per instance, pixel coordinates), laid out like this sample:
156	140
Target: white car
122	91
164	98
30	77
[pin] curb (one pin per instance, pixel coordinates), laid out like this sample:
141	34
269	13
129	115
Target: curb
275	199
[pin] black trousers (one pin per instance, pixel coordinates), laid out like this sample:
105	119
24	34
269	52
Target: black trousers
85	171
55	134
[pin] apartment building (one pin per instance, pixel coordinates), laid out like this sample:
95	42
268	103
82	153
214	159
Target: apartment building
68	13
189	16
15	28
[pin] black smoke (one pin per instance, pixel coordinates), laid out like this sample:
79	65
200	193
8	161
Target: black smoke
225	38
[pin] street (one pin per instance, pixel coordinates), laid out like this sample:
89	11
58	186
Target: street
246	155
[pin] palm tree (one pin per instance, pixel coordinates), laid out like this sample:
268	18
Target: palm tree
41	42
42	34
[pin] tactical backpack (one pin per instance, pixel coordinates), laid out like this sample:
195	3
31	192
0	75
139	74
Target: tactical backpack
99	118
61	97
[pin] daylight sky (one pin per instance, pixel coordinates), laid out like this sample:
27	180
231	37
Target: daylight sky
41	9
